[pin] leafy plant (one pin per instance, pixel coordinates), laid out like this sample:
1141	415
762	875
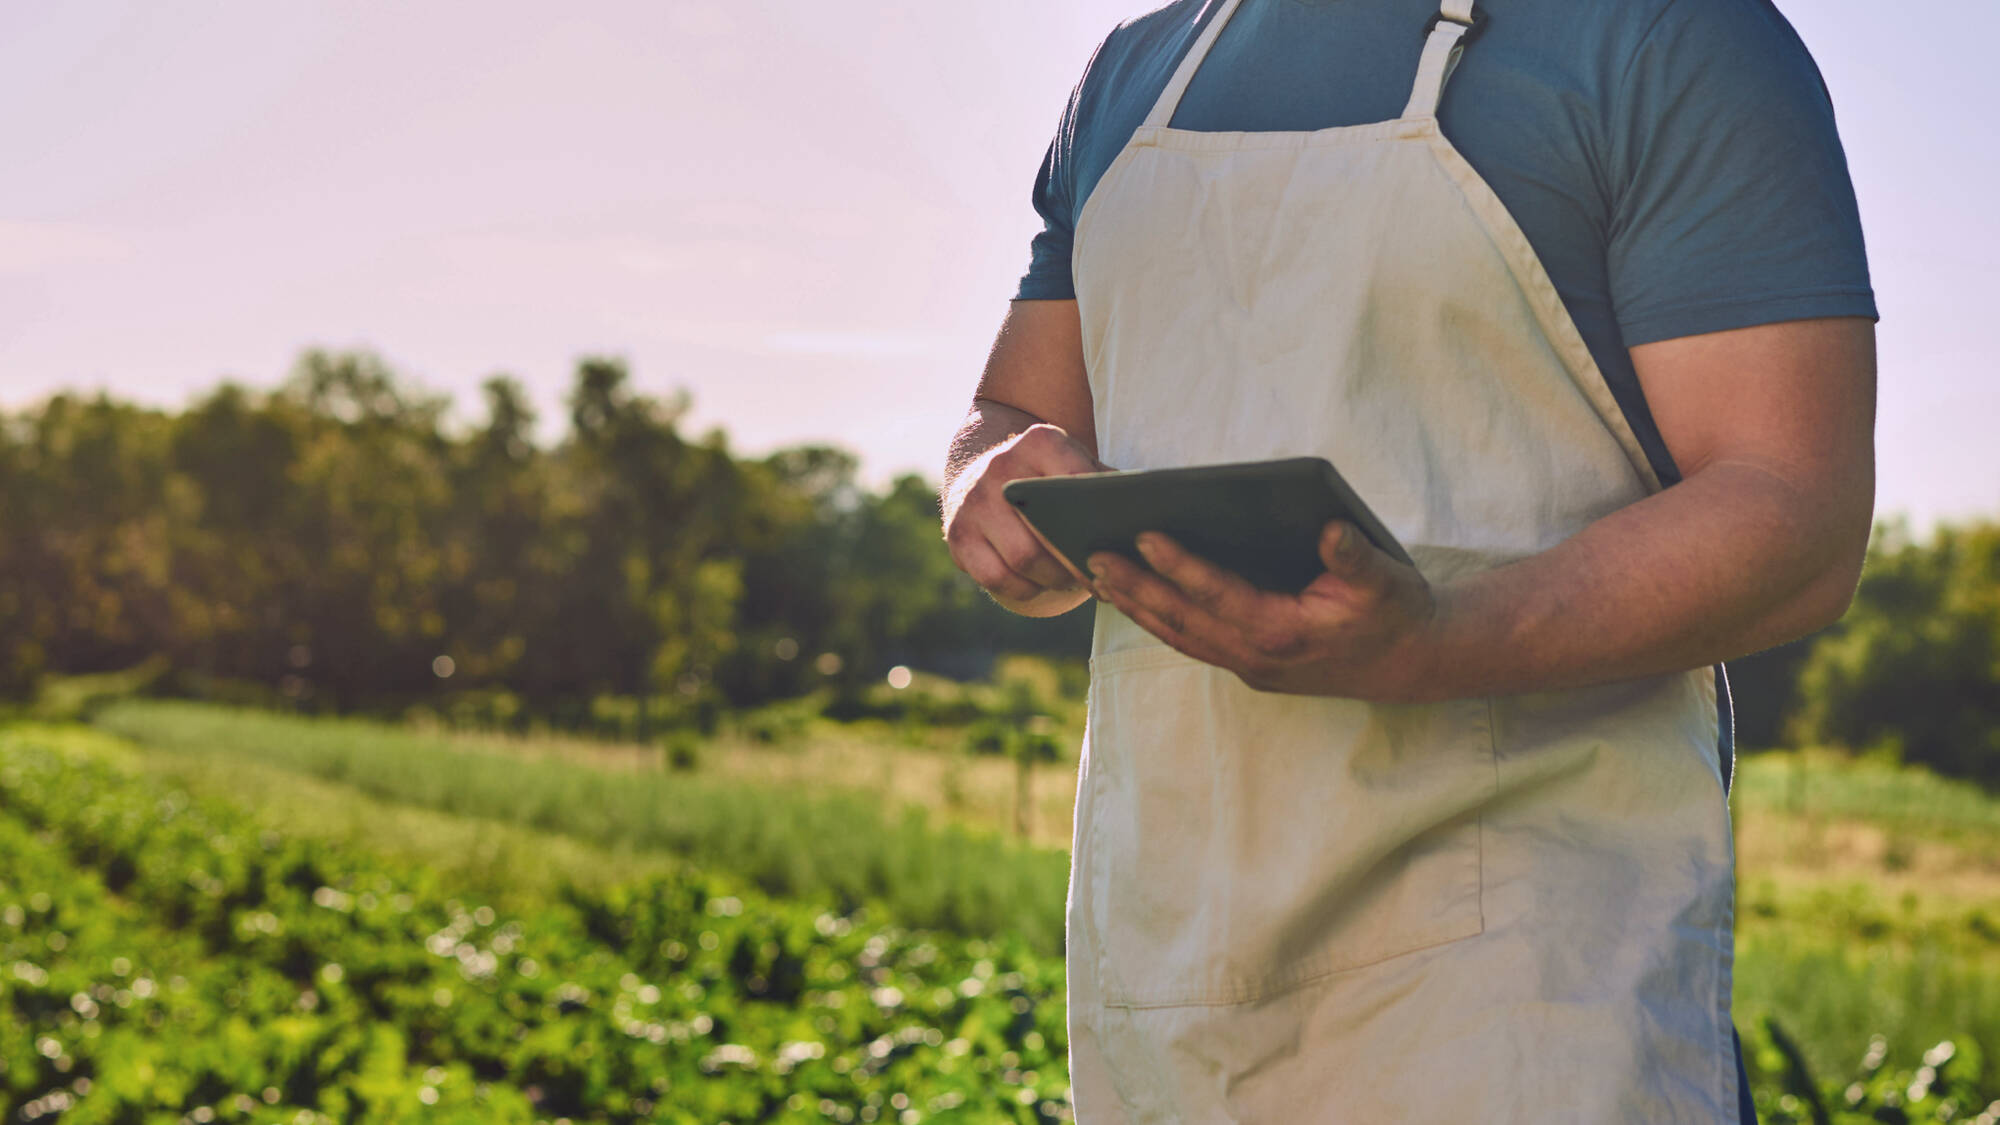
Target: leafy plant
1915	665
163	955
842	847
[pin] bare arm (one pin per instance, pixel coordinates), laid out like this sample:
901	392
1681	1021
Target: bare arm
1762	542
1030	417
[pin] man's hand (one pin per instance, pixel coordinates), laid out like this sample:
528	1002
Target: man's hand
1030	417
991	542
1362	630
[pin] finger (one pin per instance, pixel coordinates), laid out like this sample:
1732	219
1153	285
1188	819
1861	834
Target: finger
1072	453
1219	591
1350	557
1024	554
987	568
1176	638
1175	614
1263	625
1049	450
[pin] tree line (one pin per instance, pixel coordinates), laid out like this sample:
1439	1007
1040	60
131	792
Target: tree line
341	543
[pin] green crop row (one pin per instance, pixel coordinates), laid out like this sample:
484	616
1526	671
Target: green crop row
1829	997
1803	960
163	960
840	846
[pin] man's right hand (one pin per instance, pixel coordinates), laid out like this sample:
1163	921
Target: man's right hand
990	541
1031	417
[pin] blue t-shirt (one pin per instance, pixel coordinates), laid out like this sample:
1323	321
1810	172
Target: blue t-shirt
1674	163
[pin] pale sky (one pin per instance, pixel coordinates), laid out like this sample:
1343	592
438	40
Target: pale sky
809	215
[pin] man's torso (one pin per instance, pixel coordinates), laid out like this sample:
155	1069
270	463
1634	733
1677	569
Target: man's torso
1673	163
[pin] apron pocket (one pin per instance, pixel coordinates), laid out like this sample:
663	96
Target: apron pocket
1242	843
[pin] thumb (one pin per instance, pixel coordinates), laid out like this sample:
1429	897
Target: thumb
1348	555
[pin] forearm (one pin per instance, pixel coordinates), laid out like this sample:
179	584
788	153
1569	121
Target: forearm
1733	560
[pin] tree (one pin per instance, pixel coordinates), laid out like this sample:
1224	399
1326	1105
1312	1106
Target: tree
1915	665
341	542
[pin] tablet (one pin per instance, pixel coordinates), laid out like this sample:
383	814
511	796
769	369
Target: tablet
1260	519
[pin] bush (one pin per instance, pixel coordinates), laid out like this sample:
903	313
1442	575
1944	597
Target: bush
779	724
1915	665
484	709
683	752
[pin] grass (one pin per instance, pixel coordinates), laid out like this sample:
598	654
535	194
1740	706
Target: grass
834	844
1822	786
935	775
512	864
171	957
1868	903
1869	895
1833	996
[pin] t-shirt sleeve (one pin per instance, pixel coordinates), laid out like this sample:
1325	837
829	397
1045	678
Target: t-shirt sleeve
1048	277
1731	201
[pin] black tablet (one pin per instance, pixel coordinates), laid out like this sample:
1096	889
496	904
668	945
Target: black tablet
1260	519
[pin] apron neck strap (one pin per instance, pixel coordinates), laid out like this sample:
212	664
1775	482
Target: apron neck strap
1451	29
1170	98
1455	25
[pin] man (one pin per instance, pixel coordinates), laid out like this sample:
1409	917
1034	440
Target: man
1588	324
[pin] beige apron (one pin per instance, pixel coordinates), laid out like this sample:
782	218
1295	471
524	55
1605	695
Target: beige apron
1288	909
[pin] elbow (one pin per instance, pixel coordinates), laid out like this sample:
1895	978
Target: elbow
1830	598
1819	603
1827	598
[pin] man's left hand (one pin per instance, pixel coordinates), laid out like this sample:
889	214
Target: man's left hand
1366	629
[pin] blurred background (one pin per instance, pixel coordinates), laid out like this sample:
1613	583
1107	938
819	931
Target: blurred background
476	643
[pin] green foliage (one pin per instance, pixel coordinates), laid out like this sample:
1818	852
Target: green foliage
482	709
338	544
779	724
1763	690
69	698
1024	712
842	847
166	957
989	736
1836	989
1023	691
1835	971
1871	789
683	752
258	976
1915	665
1944	1084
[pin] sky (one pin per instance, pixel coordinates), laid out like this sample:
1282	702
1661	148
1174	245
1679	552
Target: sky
809	216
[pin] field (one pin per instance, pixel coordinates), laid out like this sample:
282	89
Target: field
839	843
832	925
167	950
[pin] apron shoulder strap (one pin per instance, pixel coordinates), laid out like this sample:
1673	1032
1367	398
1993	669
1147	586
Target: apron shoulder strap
1455	25
1170	98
